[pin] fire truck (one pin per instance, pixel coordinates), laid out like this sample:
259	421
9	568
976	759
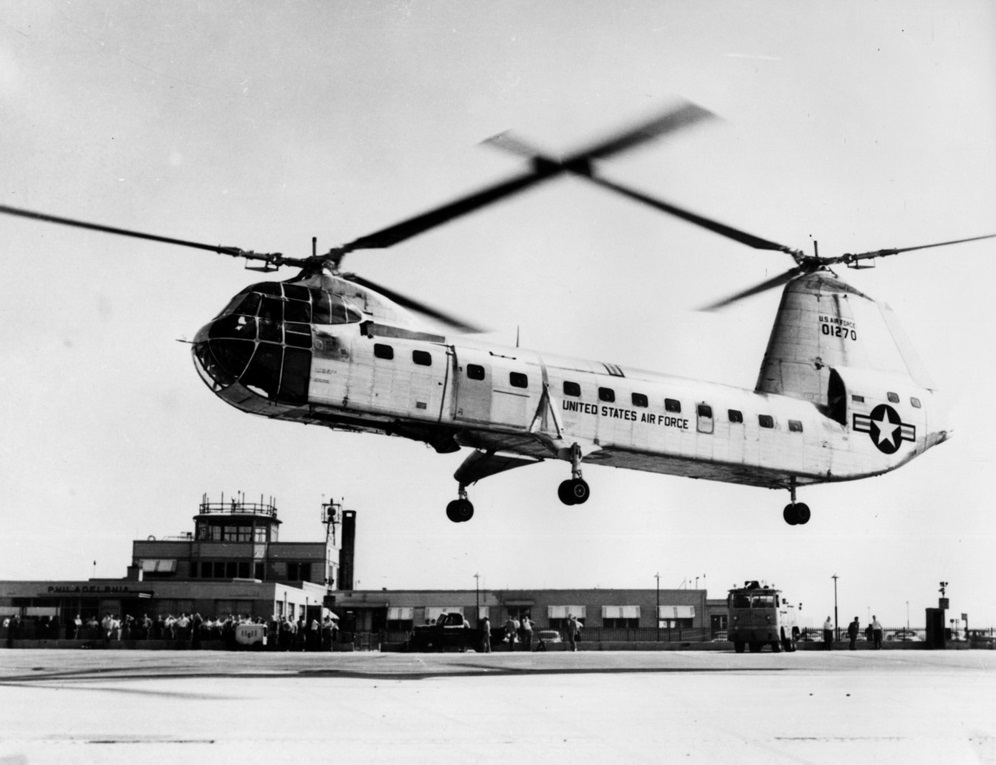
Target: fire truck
760	616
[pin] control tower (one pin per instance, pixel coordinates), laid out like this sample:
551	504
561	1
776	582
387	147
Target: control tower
238	539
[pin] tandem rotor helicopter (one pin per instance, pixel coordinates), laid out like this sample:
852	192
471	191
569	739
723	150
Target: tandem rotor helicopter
840	394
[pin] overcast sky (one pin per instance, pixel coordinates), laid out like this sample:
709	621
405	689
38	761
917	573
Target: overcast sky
857	124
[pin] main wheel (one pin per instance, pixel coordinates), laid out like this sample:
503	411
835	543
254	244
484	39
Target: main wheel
565	492
789	515
580	491
739	645
460	510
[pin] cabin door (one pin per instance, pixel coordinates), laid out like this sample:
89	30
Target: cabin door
472	385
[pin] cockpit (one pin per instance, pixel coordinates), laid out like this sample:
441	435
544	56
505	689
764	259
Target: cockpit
263	339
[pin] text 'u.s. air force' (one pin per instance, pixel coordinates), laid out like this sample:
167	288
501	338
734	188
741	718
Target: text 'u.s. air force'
618	413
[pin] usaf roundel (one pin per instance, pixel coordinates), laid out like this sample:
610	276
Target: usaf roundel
886	428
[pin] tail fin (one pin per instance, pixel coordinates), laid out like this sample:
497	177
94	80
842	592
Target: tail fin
823	323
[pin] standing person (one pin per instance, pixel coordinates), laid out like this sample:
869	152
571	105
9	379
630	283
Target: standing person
196	624
486	635
876	632
827	634
852	634
527	633
573	631
510	628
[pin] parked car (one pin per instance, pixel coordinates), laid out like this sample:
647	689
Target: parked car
903	636
543	638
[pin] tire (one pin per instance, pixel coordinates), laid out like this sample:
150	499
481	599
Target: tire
460	510
739	645
580	490
566	493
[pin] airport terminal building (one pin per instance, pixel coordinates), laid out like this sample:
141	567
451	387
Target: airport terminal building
233	563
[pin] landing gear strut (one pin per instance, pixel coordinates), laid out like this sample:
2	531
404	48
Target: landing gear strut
461	509
796	513
574	491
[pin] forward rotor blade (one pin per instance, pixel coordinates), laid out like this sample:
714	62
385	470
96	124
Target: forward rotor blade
668	122
852	258
418	224
407	302
757	289
542	170
712	225
274	258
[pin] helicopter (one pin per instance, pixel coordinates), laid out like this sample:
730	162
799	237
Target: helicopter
840	395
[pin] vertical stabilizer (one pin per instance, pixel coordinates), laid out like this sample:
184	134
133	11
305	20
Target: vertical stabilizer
824	323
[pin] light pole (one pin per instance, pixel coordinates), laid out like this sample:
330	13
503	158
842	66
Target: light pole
477	596
836	624
657	576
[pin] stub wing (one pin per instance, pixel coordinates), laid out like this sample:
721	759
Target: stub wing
481	464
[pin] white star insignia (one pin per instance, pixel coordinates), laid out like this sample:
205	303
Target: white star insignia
887	430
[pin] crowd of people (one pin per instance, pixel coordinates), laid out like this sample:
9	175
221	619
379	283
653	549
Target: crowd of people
186	630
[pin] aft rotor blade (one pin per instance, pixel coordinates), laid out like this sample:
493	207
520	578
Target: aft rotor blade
423	308
852	258
708	223
541	170
776	281
273	258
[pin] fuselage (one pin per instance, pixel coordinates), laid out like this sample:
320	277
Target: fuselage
304	354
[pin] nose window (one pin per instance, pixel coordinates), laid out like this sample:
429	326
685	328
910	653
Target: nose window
297	310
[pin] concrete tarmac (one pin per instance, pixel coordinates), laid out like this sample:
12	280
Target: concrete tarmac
59	706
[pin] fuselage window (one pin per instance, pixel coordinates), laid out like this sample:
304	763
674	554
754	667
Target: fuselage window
915	402
571	388
382	351
422	358
704	410
766	421
672	405
893	397
518	380
606	394
735	415
475	371
639	399
857	399
795	426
